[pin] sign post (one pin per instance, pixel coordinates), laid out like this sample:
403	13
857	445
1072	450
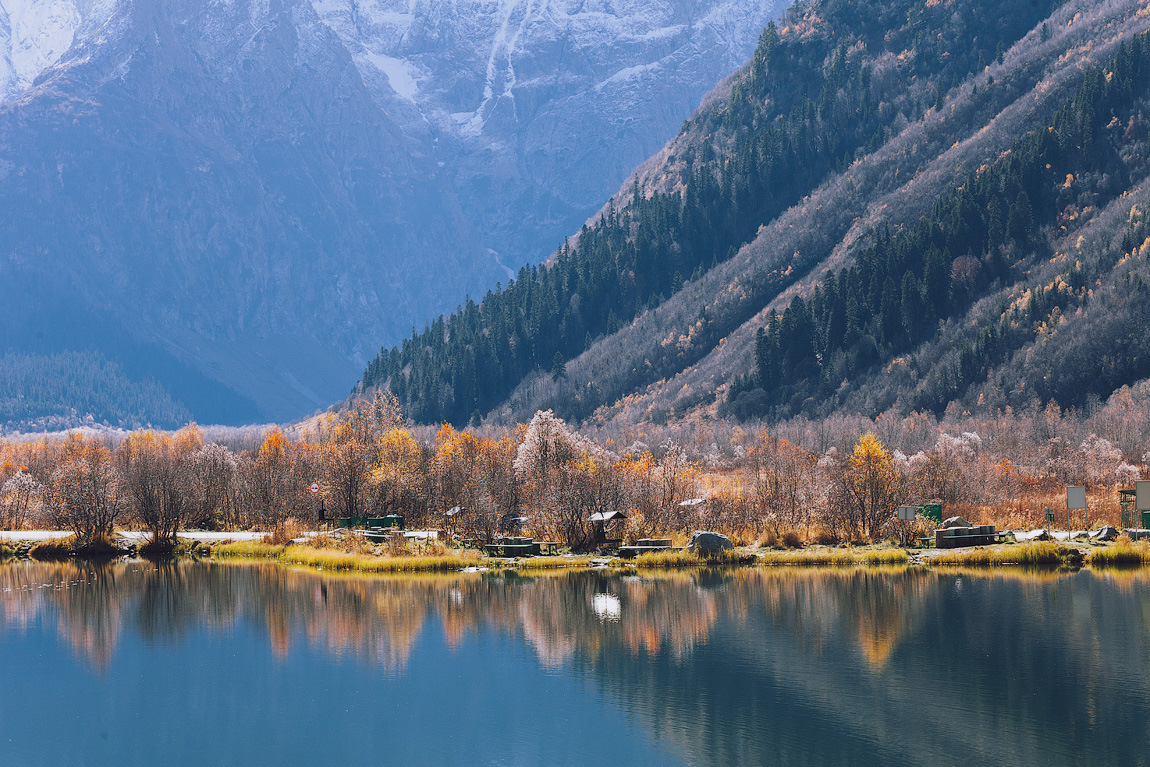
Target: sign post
1075	499
314	489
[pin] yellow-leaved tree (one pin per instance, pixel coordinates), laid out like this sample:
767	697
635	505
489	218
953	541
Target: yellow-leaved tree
870	487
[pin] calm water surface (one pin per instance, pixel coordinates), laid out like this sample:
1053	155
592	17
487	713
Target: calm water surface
200	664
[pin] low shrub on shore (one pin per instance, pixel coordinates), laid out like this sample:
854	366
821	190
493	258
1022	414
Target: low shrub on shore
53	551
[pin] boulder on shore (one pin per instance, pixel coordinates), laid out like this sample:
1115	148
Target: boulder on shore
956	522
1105	533
706	543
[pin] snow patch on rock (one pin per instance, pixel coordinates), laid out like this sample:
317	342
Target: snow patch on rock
34	34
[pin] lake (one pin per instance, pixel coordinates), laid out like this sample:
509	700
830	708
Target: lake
236	664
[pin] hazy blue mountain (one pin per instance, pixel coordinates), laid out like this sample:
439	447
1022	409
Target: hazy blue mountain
242	200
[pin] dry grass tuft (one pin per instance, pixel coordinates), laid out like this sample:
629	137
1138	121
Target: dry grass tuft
1124	553
886	557
248	549
1036	553
835	557
341	560
285	532
792	539
685	558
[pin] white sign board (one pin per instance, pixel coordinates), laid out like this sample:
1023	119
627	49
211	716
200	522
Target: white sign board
314	487
1075	497
1142	496
906	513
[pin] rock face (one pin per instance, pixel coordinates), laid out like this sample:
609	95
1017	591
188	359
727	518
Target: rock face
244	199
543	108
955	522
706	543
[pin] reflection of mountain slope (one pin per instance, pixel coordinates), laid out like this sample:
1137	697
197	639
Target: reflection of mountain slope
743	667
986	669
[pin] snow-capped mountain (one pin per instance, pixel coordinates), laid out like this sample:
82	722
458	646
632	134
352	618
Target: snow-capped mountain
542	107
244	198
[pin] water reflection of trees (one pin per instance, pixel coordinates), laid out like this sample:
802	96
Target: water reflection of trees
859	654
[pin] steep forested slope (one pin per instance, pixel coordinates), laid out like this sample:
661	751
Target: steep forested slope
1052	311
989	232
836	82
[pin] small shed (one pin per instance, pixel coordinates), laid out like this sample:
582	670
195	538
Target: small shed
1130	515
601	520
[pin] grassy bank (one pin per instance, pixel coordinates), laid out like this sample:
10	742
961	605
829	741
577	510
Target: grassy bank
684	558
1037	553
1124	553
334	559
834	557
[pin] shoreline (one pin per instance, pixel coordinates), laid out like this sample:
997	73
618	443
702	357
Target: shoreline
1053	555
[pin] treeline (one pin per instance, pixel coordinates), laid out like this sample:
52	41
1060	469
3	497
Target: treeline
983	234
75	388
801	481
815	95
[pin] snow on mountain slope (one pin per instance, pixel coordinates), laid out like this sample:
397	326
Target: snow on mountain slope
542	107
33	36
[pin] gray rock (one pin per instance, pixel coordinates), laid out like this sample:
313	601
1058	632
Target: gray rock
956	522
706	543
1106	533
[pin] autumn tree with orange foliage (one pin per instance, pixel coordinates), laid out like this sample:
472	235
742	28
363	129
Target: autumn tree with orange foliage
158	480
85	493
784	484
270	478
397	477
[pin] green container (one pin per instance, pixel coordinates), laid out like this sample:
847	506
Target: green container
393	520
343	522
1146	520
932	511
375	522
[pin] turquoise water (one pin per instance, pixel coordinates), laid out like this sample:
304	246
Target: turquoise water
200	664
